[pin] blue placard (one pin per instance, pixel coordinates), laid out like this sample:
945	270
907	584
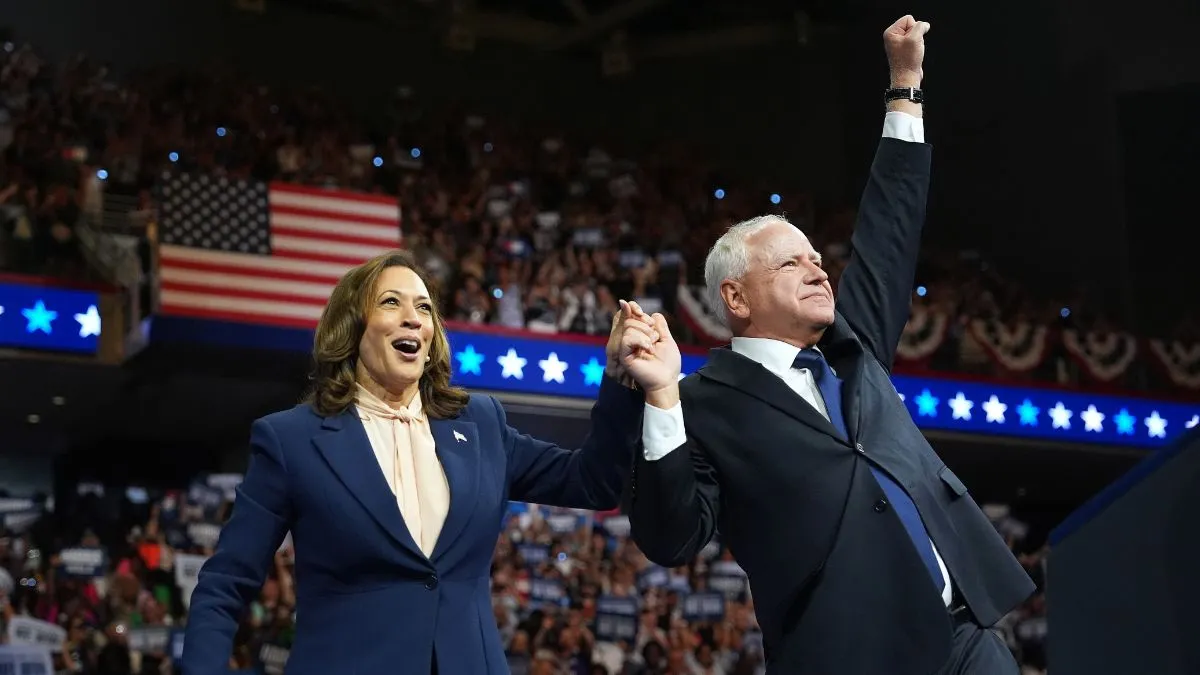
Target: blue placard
616	618
654	576
544	591
49	319
83	562
706	606
566	366
534	554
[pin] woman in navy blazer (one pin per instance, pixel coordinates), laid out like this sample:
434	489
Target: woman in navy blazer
371	598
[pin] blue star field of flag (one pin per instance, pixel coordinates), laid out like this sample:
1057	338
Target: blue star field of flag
49	319
216	213
563	367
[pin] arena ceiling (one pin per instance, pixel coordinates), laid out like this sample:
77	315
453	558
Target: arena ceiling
662	28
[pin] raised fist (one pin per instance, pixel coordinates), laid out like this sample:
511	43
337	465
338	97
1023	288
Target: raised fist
904	43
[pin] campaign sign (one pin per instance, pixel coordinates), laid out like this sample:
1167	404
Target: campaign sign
150	639
534	554
23	630
272	659
176	645
616	618
204	534
82	562
49	319
546	591
705	606
206	496
653	577
728	577
227	483
25	660
187	573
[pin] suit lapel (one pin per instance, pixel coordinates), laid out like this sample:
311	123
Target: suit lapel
457	443
344	444
748	376
845	354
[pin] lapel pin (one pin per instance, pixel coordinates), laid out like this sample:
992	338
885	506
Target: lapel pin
459	437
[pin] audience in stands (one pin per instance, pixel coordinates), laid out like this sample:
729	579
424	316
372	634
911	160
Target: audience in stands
523	229
571	594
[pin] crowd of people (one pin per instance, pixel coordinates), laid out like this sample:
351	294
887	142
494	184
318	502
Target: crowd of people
107	588
522	228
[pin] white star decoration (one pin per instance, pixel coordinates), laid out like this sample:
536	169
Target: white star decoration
994	409
512	364
1061	416
552	369
1093	420
1192	422
961	406
1156	426
89	322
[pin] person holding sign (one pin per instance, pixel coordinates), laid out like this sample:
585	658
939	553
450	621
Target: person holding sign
865	553
394	484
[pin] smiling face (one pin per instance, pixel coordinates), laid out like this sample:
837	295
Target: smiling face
784	293
399	332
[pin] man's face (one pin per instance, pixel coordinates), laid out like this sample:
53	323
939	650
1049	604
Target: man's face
784	294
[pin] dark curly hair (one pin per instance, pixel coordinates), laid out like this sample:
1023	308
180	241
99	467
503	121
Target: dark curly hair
343	321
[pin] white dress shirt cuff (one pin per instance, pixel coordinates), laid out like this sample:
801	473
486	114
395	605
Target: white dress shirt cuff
904	127
662	431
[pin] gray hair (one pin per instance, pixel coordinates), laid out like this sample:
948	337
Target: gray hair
729	258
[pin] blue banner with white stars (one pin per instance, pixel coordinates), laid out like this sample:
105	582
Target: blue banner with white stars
565	366
49	319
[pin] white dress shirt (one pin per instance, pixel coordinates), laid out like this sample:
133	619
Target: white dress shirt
663	430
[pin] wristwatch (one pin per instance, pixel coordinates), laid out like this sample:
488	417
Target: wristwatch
904	94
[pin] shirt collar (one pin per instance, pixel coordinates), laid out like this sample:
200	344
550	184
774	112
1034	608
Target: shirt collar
774	355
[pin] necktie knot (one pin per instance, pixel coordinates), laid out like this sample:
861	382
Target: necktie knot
812	361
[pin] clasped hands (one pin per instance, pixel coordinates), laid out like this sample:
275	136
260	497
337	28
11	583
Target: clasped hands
641	351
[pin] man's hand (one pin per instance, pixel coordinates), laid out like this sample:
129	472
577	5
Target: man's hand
649	354
612	350
904	42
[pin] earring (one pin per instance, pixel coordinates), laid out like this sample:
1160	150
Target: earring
427	359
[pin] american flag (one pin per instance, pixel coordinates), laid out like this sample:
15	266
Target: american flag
265	253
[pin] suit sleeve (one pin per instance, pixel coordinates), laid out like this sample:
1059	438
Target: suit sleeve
230	579
876	289
673	504
591	477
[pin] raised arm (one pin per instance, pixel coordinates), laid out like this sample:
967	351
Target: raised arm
876	288
591	477
229	580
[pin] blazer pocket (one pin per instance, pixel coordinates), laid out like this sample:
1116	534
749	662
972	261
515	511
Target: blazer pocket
956	486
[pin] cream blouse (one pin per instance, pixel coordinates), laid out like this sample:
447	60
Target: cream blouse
404	446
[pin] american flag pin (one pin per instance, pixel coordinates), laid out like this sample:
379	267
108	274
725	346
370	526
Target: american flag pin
459	437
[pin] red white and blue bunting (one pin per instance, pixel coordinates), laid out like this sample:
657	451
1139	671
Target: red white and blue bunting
1103	356
923	334
1020	348
1180	361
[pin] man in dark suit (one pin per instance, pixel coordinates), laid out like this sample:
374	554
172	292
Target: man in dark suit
865	553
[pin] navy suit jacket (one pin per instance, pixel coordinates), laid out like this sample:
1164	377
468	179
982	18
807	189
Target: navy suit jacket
838	587
368	600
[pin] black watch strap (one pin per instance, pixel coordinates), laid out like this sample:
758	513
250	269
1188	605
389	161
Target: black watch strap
904	94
